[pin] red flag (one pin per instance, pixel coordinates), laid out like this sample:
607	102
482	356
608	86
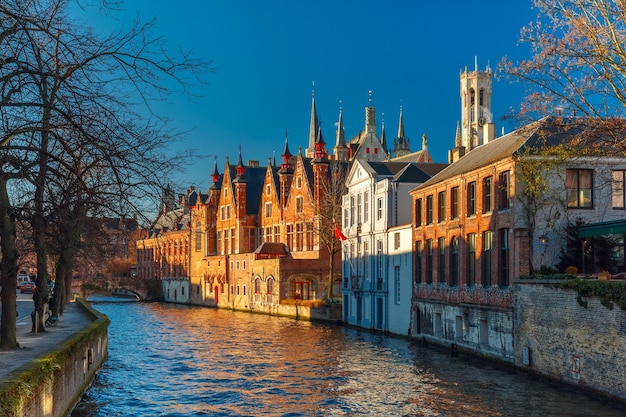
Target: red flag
339	234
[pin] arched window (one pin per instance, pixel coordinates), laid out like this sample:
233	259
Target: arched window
257	285
472	97
481	96
270	285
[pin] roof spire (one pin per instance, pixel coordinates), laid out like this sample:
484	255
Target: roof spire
215	176
240	168
287	164
313	125
341	134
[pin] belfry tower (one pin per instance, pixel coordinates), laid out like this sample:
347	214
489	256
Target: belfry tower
476	127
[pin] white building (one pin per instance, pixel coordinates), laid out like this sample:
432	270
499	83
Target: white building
377	254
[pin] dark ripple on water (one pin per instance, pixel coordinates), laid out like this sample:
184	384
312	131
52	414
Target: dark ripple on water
175	361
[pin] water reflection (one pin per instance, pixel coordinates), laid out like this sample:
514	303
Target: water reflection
169	360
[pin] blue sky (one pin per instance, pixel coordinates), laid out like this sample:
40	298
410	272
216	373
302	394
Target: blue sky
267	54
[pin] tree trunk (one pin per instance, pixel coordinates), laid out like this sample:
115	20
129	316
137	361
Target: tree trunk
8	269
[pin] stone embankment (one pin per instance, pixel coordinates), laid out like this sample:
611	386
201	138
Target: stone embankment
50	371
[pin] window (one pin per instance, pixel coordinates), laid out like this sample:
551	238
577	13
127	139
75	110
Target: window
396	276
268	189
471	198
257	285
276	233
270	285
504	186
454	203
429	261
351	210
418	212
487	194
487	246
345	216
299	182
504	257
471	259
290	236
299	204
441	213
299	236
198	236
441	244
380	258
358	209
366	206
619	187
226	240
579	188
232	240
268	209
379	211
268	234
454	262
418	261
429	209
309	236
219	244
366	259
481	96
396	240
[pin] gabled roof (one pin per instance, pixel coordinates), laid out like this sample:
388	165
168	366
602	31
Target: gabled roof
486	154
584	134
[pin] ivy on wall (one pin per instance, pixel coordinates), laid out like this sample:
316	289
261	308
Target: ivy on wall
609	292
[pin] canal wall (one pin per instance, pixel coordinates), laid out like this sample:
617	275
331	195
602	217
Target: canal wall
51	384
485	331
558	338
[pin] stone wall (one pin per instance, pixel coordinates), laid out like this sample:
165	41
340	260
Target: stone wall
483	330
50	385
558	338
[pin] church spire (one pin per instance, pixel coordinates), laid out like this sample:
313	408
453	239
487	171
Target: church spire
313	126
402	145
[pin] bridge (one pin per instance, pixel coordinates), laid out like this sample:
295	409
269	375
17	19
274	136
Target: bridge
144	289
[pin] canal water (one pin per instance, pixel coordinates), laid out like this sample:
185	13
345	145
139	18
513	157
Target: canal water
169	360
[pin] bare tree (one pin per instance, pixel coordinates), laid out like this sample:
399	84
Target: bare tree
578	66
332	190
70	105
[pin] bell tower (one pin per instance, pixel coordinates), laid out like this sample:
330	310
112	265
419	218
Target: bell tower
477	127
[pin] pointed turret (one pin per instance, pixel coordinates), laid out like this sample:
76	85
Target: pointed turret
240	168
287	164
320	150
215	176
383	135
341	150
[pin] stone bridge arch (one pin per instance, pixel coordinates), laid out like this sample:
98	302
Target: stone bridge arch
144	289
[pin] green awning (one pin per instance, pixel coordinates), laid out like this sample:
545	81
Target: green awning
605	228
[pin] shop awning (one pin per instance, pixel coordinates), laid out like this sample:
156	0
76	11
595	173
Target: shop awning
604	228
